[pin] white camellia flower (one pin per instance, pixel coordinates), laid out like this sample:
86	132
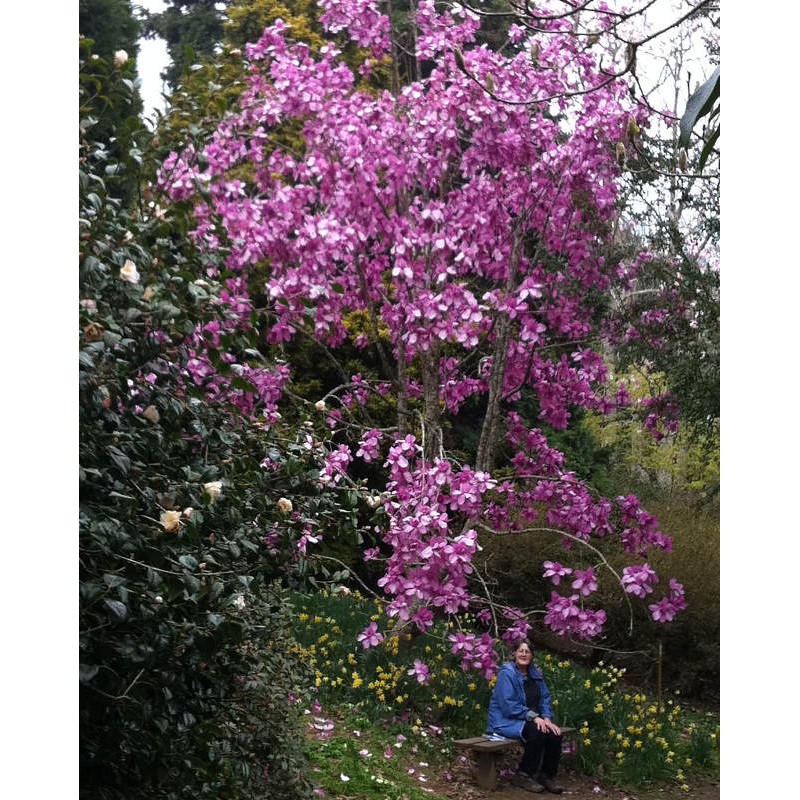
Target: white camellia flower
120	57
151	414
213	489
129	272
320	405
171	520
285	505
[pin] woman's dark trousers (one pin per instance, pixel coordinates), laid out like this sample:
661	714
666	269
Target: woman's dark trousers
544	747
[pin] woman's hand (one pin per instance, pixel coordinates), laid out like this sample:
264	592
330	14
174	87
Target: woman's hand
545	724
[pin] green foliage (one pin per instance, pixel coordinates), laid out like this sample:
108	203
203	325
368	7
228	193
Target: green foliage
248	18
687	353
704	102
186	678
356	766
111	24
205	93
109	104
623	734
191	30
683	465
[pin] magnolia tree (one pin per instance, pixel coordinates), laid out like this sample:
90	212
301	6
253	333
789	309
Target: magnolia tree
464	220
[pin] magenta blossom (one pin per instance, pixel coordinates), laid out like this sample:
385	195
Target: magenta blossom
585	581
370	636
556	571
420	671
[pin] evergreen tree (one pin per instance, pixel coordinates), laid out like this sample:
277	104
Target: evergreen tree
191	29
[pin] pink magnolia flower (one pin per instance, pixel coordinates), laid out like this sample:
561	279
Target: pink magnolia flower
555	571
420	671
370	636
585	581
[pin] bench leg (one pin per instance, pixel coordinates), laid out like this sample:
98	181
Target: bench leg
487	770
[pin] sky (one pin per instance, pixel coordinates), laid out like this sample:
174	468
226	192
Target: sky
152	59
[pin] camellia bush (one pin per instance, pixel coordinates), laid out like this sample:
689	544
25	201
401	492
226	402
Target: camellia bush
452	239
187	685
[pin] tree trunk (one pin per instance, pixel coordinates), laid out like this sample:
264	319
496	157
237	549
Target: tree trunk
487	445
433	410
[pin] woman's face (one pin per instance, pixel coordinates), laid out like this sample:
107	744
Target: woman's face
523	656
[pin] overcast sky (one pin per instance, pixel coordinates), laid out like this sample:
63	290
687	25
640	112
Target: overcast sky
152	59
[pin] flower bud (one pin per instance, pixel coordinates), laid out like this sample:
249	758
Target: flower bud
320	405
459	57
489	82
148	294
120	57
151	414
621	154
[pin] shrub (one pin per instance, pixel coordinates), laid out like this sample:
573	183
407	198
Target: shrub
187	688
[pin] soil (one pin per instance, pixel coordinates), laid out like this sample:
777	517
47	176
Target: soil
462	786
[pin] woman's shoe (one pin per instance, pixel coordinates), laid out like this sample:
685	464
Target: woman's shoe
525	781
549	784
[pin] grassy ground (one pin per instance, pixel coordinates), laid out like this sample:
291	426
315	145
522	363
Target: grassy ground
360	760
377	733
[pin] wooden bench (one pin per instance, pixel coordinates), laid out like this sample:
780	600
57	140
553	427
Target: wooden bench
487	755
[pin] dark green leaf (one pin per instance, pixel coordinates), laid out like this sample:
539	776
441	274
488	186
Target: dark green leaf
698	105
190	562
709	146
87	671
118	611
121	461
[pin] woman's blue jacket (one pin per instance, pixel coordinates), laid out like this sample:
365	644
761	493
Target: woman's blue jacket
507	707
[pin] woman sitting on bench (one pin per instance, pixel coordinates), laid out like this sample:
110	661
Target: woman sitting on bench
520	708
